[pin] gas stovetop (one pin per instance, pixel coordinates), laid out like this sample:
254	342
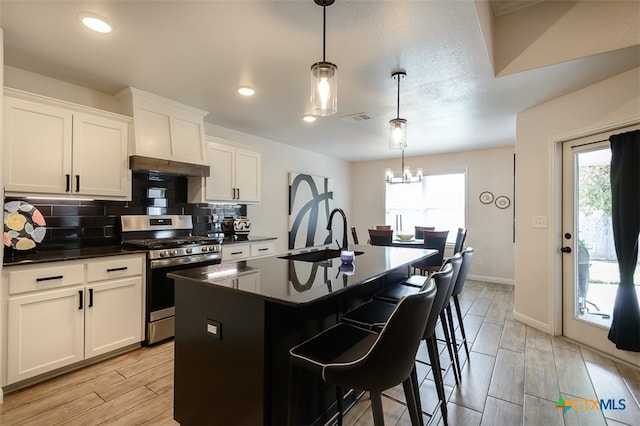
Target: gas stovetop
163	243
166	236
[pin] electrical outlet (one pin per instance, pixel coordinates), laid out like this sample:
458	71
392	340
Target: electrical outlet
539	222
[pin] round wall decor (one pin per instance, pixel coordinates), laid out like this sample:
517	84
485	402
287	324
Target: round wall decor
502	202
24	225
486	197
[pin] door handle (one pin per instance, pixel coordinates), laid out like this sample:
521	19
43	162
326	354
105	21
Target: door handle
80	293
77	183
91	298
566	249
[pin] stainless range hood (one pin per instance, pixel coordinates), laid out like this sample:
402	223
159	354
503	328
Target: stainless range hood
148	164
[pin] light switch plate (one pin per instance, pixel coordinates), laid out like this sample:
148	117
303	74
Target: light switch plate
539	222
214	328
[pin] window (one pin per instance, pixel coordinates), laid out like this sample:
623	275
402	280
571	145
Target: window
438	201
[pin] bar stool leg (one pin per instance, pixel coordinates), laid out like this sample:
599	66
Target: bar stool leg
464	337
445	329
376	406
432	349
452	332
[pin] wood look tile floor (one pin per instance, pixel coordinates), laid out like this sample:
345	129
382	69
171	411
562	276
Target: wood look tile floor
514	376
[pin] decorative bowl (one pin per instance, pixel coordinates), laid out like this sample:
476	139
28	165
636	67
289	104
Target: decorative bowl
405	237
347	256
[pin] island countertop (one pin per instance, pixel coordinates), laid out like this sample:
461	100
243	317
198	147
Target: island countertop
297	282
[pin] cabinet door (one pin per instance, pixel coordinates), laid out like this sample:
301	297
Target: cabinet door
37	147
100	161
247	174
219	184
45	331
113	317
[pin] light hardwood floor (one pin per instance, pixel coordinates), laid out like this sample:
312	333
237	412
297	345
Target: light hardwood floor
514	376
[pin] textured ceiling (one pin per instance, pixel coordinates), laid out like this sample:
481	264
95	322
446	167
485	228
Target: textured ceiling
198	52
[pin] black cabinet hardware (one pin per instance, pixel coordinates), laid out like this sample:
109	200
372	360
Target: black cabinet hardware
566	249
68	183
77	183
122	268
55	277
80	292
91	298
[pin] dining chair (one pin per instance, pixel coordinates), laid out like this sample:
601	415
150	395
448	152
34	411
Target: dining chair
419	231
351	357
380	237
374	314
354	234
436	240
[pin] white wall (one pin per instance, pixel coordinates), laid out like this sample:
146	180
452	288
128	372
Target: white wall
490	230
270	217
537	257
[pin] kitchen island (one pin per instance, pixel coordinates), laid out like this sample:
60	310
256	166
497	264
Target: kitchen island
236	322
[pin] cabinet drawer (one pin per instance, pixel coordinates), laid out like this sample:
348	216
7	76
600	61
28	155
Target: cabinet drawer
36	278
235	252
262	249
114	267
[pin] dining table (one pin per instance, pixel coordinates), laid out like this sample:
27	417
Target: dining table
412	243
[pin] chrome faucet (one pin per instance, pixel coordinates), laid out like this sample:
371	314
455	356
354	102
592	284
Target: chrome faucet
345	242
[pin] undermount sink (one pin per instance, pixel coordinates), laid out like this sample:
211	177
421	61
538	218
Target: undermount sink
317	256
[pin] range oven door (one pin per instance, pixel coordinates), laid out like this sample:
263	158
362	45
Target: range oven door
160	297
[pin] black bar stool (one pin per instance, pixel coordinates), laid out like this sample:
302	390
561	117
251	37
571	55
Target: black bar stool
350	357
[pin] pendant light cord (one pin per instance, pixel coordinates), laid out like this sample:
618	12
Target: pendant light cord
324	32
398	103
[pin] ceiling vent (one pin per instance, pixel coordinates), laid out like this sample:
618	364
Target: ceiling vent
355	118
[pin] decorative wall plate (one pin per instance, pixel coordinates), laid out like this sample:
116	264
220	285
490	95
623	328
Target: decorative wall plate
24	225
502	202
486	197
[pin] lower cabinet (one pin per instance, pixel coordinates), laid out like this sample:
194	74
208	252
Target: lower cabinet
244	251
62	313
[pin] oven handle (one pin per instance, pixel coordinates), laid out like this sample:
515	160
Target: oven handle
183	260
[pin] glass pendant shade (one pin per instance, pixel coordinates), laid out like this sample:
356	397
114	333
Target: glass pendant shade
324	88
398	133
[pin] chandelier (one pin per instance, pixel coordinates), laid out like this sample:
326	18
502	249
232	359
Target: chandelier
407	176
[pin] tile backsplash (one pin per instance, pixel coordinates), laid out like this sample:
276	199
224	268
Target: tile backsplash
74	223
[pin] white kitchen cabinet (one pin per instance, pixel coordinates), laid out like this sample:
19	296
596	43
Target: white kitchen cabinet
164	129
248	250
114	311
62	313
54	148
235	175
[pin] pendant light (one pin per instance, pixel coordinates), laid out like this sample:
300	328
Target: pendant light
324	75
398	126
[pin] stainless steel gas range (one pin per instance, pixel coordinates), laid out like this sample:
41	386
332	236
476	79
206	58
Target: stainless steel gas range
171	247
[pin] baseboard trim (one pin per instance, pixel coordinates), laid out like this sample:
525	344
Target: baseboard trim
488	279
533	323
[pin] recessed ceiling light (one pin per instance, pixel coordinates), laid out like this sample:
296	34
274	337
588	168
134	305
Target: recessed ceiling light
246	90
96	23
309	118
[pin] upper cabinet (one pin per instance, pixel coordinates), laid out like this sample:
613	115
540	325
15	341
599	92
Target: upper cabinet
58	148
234	175
163	128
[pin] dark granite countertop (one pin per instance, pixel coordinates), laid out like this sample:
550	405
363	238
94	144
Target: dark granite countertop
43	256
296	282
